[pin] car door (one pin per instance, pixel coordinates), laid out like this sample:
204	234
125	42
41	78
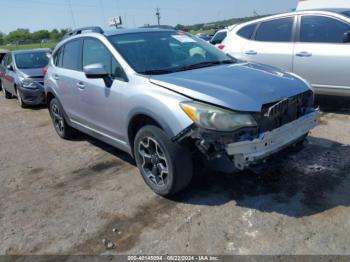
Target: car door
68	74
99	104
10	75
3	69
272	43
320	56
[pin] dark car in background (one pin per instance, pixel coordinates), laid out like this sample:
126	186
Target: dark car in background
22	75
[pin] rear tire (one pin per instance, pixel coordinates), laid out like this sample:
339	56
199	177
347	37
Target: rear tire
60	124
165	166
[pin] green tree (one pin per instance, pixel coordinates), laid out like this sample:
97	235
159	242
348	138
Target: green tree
20	35
2	40
55	35
38	36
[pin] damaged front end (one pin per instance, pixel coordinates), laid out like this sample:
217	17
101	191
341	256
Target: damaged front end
278	126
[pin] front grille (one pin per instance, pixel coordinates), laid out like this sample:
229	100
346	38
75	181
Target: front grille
293	108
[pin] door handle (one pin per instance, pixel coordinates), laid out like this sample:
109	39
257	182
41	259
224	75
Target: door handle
304	54
251	52
81	85
56	77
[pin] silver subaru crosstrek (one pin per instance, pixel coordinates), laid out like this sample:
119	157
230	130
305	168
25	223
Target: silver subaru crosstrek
165	96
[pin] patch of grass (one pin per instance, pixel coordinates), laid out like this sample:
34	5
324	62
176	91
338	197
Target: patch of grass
28	47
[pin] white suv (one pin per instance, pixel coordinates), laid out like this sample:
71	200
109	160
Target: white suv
312	44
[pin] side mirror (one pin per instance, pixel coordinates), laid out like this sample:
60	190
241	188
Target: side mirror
346	38
98	71
10	68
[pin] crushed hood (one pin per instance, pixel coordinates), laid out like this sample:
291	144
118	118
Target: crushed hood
241	87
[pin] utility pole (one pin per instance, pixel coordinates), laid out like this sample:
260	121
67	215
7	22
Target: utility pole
158	15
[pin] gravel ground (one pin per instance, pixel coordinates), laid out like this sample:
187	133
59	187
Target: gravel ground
83	197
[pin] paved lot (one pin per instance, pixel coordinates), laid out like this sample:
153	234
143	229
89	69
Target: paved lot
66	197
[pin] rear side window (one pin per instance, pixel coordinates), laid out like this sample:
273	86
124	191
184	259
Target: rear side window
58	57
247	31
321	29
279	30
72	55
94	52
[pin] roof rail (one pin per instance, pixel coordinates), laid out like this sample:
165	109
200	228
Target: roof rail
79	31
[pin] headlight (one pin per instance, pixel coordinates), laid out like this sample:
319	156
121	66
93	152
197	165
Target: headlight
29	84
215	118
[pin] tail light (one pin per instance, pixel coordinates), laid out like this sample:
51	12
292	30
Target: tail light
44	71
221	47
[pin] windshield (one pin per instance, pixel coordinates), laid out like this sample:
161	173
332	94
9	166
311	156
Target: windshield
219	37
32	60
166	52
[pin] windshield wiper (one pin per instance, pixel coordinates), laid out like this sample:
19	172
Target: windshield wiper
204	64
184	68
158	72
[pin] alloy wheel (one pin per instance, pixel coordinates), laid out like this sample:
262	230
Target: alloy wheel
154	162
57	118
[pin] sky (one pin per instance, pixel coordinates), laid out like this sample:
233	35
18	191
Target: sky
49	14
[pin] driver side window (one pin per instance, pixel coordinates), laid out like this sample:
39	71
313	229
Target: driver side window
94	52
321	29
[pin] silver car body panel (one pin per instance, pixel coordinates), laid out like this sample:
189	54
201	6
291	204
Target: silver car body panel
325	65
247	152
240	87
106	113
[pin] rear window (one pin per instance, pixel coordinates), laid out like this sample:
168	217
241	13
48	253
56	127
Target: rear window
247	31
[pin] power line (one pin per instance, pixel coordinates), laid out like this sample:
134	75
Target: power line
102	12
71	12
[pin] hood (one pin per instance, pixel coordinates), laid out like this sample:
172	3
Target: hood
31	73
240	87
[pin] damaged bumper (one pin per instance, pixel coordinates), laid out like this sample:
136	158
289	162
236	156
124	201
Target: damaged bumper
247	153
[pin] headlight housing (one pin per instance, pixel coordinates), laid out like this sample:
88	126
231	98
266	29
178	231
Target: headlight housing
29	84
215	118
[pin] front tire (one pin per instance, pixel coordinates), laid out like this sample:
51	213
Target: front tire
20	101
61	126
165	166
7	94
